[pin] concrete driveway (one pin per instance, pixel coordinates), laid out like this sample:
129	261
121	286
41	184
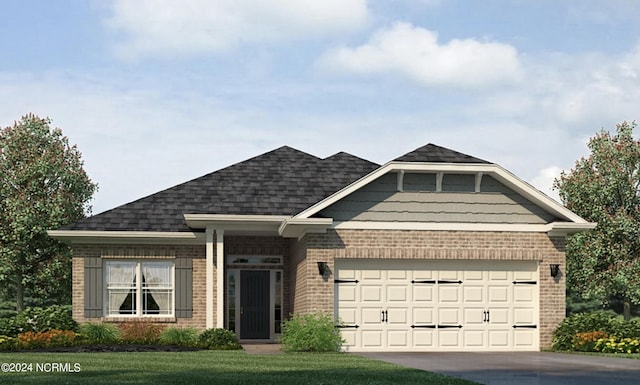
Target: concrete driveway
522	368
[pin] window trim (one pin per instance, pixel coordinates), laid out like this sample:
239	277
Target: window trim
139	290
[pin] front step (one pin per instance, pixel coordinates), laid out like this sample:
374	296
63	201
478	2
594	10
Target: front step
262	348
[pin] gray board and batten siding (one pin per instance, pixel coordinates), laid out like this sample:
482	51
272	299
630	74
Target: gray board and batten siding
457	202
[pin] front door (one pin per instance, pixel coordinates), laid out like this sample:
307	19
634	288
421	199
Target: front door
254	304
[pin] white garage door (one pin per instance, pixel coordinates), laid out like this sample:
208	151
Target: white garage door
437	305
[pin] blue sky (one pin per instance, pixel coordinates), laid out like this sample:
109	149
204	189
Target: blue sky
155	92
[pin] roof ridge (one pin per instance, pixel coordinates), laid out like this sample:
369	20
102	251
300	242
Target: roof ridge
433	153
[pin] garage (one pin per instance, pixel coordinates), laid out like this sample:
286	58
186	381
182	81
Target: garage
452	305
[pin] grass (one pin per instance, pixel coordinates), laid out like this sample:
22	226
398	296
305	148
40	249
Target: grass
633	356
215	367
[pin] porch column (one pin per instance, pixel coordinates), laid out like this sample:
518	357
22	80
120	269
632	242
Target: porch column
209	279
220	278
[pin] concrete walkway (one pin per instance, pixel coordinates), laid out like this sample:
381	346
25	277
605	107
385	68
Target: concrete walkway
535	368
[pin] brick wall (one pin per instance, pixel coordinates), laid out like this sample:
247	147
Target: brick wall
196	253
234	245
377	244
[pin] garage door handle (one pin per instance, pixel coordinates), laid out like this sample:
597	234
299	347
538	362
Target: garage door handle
385	316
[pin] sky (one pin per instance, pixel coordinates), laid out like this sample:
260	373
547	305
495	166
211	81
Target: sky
158	92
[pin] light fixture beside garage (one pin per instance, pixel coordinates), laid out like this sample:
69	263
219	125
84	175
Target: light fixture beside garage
322	268
555	269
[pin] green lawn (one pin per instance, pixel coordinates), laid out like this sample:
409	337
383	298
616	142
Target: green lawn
214	367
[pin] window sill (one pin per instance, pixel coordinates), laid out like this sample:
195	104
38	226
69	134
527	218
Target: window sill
140	319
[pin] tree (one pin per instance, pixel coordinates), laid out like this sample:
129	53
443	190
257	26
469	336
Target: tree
42	186
605	188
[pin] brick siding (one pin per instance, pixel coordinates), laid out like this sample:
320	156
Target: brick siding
304	290
433	245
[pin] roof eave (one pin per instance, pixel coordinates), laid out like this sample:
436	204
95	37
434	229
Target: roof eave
128	237
492	169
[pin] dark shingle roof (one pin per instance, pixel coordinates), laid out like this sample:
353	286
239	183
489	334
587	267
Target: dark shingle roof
284	181
434	153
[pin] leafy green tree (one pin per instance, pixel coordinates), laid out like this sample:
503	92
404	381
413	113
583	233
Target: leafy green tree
605	188
42	186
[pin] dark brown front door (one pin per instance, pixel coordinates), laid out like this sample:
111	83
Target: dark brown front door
254	304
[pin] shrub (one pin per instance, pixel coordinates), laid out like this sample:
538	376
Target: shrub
38	319
7	343
140	332
49	339
315	332
586	342
618	345
179	336
9	327
100	333
564	335
219	339
629	329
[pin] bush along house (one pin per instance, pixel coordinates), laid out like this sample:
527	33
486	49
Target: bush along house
433	251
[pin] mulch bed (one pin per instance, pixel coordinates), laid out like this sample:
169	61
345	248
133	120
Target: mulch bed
110	349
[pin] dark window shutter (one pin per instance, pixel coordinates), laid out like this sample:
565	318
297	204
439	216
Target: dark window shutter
184	288
93	287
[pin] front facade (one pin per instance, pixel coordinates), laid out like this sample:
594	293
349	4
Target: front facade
433	251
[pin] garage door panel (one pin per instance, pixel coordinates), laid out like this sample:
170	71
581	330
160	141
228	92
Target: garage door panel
397	316
371	293
347	294
371	316
423	293
398	338
498	294
523	316
372	338
438	305
473	294
474	338
350	338
524	293
498	275
474	316
450	275
449	338
397	293
424	338
473	275
371	274
448	293
348	316
525	275
449	316
397	275
498	338
499	316
524	338
423	316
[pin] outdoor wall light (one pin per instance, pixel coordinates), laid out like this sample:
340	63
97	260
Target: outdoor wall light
555	269
322	268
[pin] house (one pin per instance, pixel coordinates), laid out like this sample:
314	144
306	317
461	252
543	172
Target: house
433	251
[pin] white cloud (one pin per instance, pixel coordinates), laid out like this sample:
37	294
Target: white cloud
544	181
168	27
415	53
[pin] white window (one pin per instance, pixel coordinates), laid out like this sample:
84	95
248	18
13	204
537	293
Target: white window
151	295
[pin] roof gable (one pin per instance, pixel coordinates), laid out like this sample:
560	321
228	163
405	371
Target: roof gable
432	153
